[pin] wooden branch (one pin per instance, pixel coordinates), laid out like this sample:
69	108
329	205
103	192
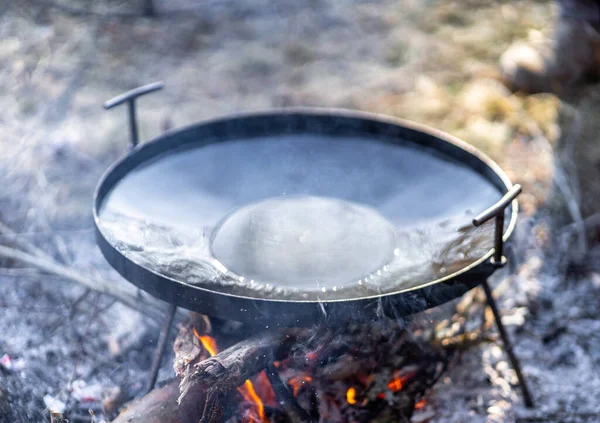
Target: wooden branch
187	348
465	341
151	307
590	222
231	367
160	406
21	243
182	12
57	418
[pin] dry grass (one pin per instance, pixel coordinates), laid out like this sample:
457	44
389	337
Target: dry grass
458	90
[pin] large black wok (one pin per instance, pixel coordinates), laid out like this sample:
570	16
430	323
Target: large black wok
290	216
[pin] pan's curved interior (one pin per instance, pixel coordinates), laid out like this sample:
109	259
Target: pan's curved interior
383	213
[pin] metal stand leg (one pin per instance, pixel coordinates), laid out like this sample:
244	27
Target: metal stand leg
285	398
508	345
160	347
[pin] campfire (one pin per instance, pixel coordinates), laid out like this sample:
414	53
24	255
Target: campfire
293	264
310	263
303	266
255	411
356	373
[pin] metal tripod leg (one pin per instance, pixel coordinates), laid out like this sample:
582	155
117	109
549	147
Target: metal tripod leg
160	347
285	398
514	361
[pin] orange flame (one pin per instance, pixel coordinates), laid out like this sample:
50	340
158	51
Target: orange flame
250	395
247	390
395	384
421	404
209	344
351	395
264	389
297	382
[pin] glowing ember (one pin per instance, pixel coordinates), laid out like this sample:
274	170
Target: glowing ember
314	354
421	404
395	384
247	390
297	382
351	395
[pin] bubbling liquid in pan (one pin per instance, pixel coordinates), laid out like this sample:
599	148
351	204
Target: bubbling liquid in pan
302	241
301	248
300	216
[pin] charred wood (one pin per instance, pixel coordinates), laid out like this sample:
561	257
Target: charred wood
57	418
231	367
286	399
160	406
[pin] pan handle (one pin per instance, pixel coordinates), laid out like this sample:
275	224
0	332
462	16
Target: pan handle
129	98
497	211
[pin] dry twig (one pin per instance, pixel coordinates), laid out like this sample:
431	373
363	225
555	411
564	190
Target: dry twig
148	306
21	243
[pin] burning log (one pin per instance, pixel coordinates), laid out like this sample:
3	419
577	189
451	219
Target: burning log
233	366
368	372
